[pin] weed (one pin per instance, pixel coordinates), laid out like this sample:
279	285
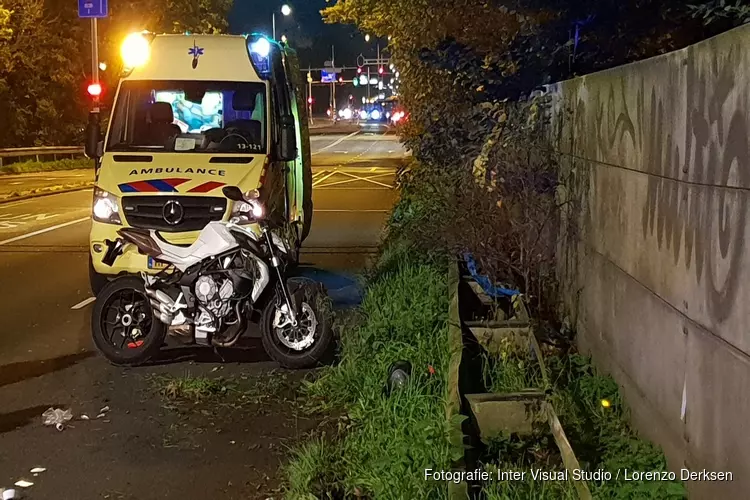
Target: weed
596	422
387	441
24	167
192	389
513	371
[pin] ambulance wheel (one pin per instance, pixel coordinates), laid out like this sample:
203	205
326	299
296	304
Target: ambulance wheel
96	280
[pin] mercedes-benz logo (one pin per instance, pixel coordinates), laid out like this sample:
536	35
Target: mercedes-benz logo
173	212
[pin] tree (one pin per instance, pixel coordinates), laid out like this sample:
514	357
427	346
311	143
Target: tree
41	74
45	59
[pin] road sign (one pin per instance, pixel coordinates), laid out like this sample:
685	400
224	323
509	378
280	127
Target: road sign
92	8
327	77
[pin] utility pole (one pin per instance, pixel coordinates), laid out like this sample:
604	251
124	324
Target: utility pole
333	85
309	95
95	60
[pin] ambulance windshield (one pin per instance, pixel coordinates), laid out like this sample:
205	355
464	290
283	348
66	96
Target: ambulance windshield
189	116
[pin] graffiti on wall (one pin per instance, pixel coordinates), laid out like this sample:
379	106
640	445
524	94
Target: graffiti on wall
683	121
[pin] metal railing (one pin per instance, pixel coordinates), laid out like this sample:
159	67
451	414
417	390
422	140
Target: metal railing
41	153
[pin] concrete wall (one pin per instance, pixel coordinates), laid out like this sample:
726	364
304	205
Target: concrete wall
658	273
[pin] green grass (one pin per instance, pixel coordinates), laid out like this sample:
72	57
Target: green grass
595	421
601	436
233	391
513	370
25	167
192	389
386	441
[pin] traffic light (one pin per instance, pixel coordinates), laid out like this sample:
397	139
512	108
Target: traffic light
309	100
380	70
359	70
94	89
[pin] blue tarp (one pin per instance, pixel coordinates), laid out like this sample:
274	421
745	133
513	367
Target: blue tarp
484	281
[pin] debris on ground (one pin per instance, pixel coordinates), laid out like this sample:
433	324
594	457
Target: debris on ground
9	494
57	417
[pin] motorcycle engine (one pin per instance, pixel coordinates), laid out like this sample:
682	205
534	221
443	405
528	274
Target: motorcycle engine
213	299
214	295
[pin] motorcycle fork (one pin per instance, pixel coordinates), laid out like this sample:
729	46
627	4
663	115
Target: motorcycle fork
276	263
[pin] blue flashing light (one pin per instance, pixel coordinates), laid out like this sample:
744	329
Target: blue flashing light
260	52
261	47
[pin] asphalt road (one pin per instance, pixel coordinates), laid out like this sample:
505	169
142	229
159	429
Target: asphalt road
43	243
47	357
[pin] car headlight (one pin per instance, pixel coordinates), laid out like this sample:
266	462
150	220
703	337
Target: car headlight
249	211
106	207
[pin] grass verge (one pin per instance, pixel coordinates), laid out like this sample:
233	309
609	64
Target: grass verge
385	440
594	417
27	167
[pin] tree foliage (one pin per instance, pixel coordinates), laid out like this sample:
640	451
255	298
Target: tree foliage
45	60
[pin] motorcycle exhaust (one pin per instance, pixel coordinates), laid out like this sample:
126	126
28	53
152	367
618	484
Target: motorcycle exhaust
162	305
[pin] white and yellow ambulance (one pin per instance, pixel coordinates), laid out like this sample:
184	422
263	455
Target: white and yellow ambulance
192	114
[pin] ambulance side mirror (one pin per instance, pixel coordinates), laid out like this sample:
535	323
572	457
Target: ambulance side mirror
288	139
93	146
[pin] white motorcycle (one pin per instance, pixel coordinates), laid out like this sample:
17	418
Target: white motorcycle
208	292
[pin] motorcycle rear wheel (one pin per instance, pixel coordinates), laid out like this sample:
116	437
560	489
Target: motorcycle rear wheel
123	325
306	345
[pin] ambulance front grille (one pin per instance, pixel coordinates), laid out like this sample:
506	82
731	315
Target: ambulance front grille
172	213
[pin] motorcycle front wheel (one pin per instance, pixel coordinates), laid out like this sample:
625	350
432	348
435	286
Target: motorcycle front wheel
306	344
123	325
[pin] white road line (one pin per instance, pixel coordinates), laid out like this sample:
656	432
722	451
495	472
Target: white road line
342	152
84	303
42	231
335	143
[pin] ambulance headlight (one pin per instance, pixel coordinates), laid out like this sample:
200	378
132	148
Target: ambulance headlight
106	207
249	211
135	50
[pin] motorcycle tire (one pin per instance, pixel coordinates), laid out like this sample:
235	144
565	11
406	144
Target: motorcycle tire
129	352
313	300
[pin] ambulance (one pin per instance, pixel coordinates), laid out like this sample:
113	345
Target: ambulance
191	115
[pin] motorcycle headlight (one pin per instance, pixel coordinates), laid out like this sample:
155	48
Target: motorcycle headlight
249	211
106	207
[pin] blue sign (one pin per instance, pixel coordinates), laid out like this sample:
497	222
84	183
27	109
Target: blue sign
92	8
326	77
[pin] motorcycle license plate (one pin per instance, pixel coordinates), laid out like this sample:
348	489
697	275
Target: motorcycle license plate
156	264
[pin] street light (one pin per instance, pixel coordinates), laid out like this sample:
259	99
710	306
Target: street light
285	11
367	38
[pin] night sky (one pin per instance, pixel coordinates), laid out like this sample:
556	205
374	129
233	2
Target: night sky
310	36
304	27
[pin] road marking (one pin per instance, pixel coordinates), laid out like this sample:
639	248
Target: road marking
16	183
321	179
84	303
42	231
335	143
342	152
12	221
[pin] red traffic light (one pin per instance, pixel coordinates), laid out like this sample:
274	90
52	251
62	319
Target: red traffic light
309	100
380	70
94	89
359	71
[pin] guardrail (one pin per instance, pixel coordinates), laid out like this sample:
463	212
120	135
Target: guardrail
40	153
